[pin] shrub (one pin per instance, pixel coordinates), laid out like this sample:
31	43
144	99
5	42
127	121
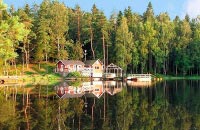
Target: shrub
74	75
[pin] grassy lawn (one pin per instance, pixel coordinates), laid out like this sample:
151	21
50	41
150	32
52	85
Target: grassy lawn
34	75
172	77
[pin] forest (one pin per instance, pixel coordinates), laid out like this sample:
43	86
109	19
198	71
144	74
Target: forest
139	43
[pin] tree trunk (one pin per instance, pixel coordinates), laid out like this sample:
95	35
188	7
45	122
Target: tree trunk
23	63
26	52
150	62
142	67
15	69
104	108
58	46
104	58
28	56
79	122
39	92
6	68
26	111
79	32
167	65
91	42
46	55
107	55
155	69
39	65
164	67
93	114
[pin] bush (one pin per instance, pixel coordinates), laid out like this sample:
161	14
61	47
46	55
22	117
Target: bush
74	75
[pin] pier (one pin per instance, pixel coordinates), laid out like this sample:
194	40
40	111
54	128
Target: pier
140	77
9	79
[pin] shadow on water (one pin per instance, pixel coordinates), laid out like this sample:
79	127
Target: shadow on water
102	105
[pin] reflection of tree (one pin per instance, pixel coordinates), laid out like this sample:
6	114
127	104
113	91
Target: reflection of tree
124	110
41	114
140	108
165	106
76	83
56	114
9	118
77	105
150	108
160	114
119	111
145	113
183	118
26	108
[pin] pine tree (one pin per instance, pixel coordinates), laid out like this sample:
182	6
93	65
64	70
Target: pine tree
59	29
27	19
11	32
42	30
123	45
165	34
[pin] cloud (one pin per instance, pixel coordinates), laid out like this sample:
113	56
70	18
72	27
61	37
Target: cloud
192	8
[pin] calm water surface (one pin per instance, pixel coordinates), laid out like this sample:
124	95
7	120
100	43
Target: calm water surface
110	105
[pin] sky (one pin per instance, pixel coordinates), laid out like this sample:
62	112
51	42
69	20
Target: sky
173	7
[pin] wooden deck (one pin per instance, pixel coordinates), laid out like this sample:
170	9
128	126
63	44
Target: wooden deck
9	79
140	77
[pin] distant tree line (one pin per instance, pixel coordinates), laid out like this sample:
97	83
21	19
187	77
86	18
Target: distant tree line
138	43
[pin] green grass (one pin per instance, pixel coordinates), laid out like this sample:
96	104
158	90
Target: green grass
34	75
42	79
172	77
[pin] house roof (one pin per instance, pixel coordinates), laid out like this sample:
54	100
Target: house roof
113	91
113	66
73	62
91	62
92	94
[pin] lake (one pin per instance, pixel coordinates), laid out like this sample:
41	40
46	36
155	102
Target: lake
108	105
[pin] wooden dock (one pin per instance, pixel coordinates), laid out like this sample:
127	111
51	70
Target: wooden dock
113	77
140	77
9	79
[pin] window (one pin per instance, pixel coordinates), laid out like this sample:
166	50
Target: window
96	67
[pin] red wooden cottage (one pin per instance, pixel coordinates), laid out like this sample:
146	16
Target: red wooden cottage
66	66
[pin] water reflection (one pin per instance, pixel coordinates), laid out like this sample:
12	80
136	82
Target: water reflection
64	90
101	105
88	89
140	84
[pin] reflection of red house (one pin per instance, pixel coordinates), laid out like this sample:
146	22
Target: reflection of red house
68	91
69	66
60	91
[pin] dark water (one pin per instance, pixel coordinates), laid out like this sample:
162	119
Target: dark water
166	105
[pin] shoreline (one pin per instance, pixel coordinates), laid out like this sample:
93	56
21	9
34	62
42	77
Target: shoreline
31	79
53	78
169	77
